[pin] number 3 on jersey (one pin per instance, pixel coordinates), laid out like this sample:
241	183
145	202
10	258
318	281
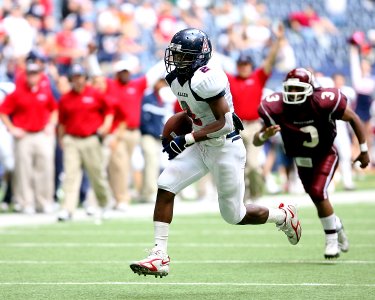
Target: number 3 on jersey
313	135
186	108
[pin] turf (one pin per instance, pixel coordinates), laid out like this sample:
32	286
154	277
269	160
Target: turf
209	260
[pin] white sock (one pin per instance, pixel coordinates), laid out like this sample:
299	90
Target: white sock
338	224
161	230
329	224
276	215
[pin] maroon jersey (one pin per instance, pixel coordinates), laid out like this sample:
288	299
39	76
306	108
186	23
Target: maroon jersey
307	129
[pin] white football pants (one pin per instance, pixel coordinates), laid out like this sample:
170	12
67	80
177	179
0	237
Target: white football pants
226	164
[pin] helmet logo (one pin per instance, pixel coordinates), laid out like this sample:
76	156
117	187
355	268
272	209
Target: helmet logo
175	47
205	46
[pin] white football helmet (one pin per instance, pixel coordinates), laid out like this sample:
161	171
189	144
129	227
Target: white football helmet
297	86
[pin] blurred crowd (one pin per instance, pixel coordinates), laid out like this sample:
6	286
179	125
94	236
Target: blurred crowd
54	152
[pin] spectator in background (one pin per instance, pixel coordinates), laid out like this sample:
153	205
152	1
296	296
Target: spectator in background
21	34
337	11
66	45
364	85
247	88
30	115
167	24
152	121
127	92
312	26
109	35
6	152
85	117
114	144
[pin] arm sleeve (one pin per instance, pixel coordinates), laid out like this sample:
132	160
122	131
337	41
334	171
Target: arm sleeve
265	112
261	76
340	107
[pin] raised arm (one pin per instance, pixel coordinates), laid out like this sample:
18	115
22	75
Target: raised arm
270	60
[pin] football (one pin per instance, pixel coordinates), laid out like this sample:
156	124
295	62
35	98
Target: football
178	124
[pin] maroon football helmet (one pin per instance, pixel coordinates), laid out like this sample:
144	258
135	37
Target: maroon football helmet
297	86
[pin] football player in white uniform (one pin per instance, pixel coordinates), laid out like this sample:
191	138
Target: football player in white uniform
214	146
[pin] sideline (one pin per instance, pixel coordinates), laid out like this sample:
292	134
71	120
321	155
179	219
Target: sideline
145	210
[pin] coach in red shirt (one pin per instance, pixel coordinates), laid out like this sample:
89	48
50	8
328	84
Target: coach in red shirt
30	114
127	93
247	88
85	117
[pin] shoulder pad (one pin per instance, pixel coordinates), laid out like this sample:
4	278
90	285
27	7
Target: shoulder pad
328	98
208	82
271	106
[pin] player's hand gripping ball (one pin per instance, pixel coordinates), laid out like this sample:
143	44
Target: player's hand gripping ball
173	136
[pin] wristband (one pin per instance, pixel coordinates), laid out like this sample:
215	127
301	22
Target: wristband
363	147
189	138
261	137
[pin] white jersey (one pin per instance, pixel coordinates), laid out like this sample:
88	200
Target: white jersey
224	158
205	85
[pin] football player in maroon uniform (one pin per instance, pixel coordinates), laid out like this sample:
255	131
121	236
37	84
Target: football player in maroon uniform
305	116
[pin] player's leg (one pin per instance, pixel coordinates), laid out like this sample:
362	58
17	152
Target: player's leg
316	180
182	171
157	262
227	168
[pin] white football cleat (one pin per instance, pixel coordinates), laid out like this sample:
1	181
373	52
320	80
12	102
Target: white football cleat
291	226
156	263
332	247
343	240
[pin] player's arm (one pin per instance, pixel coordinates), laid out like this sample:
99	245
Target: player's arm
223	124
358	128
270	60
220	127
264	134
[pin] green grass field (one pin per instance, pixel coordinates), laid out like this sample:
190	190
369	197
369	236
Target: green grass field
209	260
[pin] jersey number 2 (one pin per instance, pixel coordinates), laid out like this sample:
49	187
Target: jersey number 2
186	108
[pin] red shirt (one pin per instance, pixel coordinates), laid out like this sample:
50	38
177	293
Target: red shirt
20	79
65	40
83	113
118	111
129	97
247	93
29	109
304	19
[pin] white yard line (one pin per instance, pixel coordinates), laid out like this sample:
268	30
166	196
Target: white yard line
175	232
187	245
189	262
304	284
